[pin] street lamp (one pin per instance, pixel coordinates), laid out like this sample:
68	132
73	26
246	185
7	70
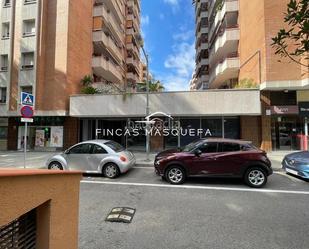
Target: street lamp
140	42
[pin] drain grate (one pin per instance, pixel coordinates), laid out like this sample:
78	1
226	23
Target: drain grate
121	214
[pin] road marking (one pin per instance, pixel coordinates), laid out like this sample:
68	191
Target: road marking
197	187
293	178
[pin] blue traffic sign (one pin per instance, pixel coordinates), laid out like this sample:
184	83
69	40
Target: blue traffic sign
27	99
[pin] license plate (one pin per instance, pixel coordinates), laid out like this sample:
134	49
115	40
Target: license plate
294	172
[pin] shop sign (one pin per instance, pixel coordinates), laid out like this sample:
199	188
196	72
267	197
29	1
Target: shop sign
288	109
303	109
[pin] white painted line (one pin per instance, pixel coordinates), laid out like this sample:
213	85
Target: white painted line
198	187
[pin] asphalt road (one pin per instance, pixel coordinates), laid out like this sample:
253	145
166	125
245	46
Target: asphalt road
203	213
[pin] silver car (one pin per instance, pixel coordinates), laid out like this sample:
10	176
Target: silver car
95	156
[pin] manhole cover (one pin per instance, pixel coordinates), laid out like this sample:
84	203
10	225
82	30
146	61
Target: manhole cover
121	214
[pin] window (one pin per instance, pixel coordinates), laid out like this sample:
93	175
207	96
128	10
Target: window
5	30
4	63
7	3
3	132
26	89
2	94
81	149
27	60
30	1
28	27
98	150
114	146
229	147
208	148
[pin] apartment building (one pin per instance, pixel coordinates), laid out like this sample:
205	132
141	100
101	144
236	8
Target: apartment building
240	37
47	47
200	79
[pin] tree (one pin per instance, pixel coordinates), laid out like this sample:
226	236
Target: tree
246	83
87	80
294	42
154	86
87	88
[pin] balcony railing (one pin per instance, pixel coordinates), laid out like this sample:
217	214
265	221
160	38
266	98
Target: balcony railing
227	68
105	68
101	37
226	37
110	20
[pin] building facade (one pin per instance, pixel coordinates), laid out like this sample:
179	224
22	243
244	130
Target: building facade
200	78
240	55
47	47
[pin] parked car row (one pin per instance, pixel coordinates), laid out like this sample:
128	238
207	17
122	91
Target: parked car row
203	158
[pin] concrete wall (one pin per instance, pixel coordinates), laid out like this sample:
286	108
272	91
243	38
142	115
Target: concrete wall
54	194
204	103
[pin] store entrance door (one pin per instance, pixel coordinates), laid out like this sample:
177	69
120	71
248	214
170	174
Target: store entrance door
285	133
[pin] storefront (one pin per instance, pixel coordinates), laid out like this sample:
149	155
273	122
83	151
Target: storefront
287	125
44	134
191	129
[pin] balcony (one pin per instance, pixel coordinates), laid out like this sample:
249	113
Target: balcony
133	62
227	69
202	46
113	6
110	21
203	30
228	6
107	69
132	77
225	44
202	62
102	41
132	47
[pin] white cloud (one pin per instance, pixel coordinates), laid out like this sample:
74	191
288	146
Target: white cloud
181	64
172	2
184	36
145	20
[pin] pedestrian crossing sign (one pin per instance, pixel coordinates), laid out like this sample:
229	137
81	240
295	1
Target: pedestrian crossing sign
27	99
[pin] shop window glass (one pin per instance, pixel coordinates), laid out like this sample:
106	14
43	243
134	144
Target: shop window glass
186	125
214	125
3	132
231	128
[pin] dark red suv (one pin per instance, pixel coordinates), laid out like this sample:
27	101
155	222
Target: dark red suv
217	158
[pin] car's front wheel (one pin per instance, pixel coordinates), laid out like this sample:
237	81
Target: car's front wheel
175	175
111	170
55	166
255	177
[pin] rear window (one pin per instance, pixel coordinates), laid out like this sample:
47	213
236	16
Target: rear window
229	147
114	146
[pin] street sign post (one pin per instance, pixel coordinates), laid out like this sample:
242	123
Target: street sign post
27	101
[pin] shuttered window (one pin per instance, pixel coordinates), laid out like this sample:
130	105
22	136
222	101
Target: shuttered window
20	233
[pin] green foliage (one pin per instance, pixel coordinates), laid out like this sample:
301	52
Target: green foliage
89	90
246	83
154	86
87	80
294	42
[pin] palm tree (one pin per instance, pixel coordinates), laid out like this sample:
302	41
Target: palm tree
154	86
87	80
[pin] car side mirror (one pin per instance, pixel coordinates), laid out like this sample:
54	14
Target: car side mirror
66	152
198	152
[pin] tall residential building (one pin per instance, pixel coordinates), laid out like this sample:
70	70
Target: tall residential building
200	79
240	37
47	47
116	57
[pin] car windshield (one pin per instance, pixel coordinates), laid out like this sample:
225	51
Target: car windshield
114	146
189	147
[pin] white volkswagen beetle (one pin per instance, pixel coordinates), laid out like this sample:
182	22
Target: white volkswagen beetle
95	156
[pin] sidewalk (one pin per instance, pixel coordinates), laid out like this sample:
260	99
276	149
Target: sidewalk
15	159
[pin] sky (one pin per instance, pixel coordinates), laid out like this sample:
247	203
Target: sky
168	31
